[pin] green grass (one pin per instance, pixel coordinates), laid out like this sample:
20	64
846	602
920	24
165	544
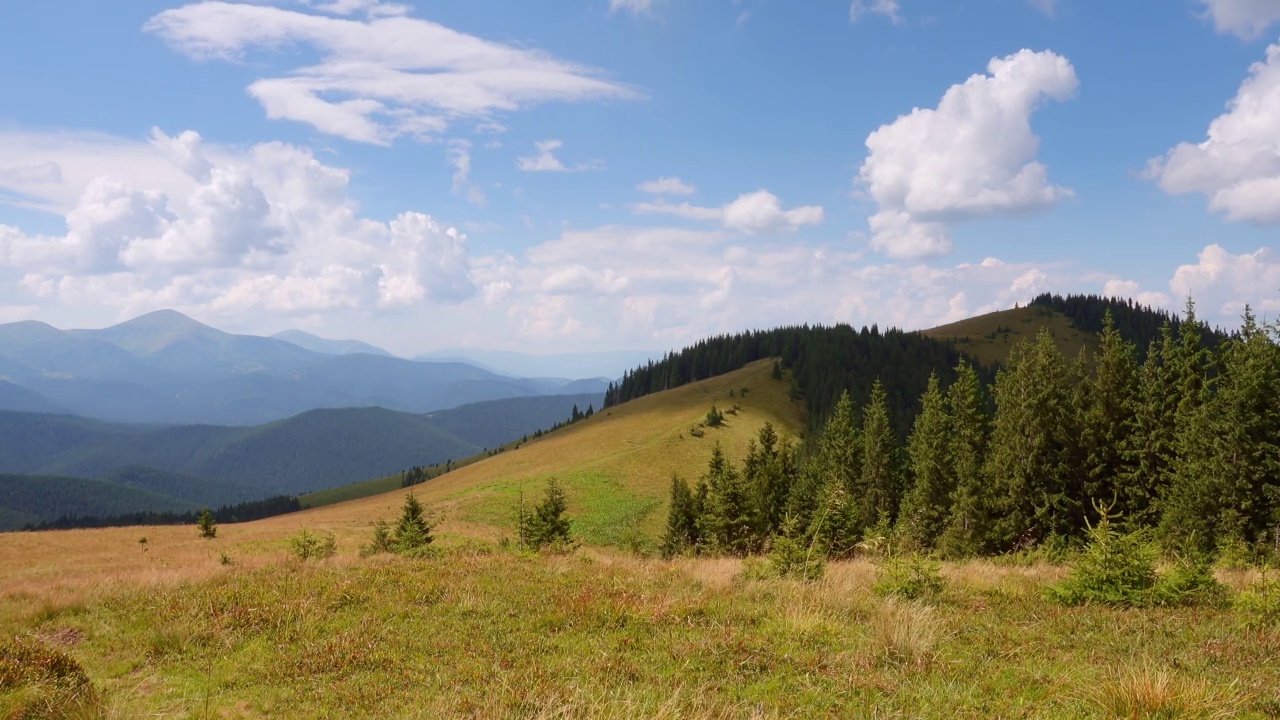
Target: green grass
604	511
477	632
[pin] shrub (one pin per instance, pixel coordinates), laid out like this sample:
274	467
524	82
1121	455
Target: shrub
792	557
714	417
1190	582
381	543
909	576
1113	569
25	660
307	545
1259	604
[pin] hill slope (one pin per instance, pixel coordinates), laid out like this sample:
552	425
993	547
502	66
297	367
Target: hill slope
989	338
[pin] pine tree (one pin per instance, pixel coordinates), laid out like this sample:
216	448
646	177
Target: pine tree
969	525
927	505
1150	448
1227	479
769	472
1107	422
546	524
412	530
878	489
681	535
728	519
207	524
1027	459
822	500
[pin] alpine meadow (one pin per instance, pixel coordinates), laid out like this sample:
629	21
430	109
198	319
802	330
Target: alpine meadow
658	359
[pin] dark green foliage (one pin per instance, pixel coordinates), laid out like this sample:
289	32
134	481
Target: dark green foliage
797	558
682	533
1108	419
412	531
969	523
824	363
823	497
207	524
547	526
1139	324
715	418
242	512
878	489
927	505
770	472
729	521
1029	456
29	500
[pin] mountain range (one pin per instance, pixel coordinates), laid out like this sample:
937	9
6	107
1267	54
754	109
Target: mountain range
164	367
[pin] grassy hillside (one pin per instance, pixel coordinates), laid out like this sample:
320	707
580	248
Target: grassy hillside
989	338
178	626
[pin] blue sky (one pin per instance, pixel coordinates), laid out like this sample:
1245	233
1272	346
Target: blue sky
631	174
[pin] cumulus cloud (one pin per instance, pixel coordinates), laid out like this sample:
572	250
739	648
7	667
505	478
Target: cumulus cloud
1222	282
1238	165
379	78
546	161
271	228
753	213
666	186
1247	19
862	8
972	156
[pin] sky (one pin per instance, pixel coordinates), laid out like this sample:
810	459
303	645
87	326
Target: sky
583	175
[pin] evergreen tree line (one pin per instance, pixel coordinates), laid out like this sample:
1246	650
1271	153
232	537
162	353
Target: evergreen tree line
1138	323
1183	444
825	362
240	512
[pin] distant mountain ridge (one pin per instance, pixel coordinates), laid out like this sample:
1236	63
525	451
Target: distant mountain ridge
164	367
136	468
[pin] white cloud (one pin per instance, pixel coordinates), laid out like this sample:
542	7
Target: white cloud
1222	283
862	8
972	156
1130	289
634	7
1238	165
546	161
666	186
380	78
459	155
753	213
271	228
1248	19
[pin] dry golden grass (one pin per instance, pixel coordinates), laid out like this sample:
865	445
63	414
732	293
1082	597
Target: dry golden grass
904	631
1144	692
972	334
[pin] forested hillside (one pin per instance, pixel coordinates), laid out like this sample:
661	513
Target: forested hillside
33	499
823	362
1183	445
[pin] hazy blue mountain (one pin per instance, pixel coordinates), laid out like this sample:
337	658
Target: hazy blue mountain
16	397
164	367
563	365
318	344
318	449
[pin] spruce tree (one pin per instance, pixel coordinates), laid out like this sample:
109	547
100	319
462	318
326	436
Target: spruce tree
412	530
681	535
1150	448
823	500
207	524
968	528
769	473
927	505
878	489
1027	459
1108	420
728	518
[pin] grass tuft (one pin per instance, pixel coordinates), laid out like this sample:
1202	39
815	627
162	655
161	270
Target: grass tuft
1147	693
